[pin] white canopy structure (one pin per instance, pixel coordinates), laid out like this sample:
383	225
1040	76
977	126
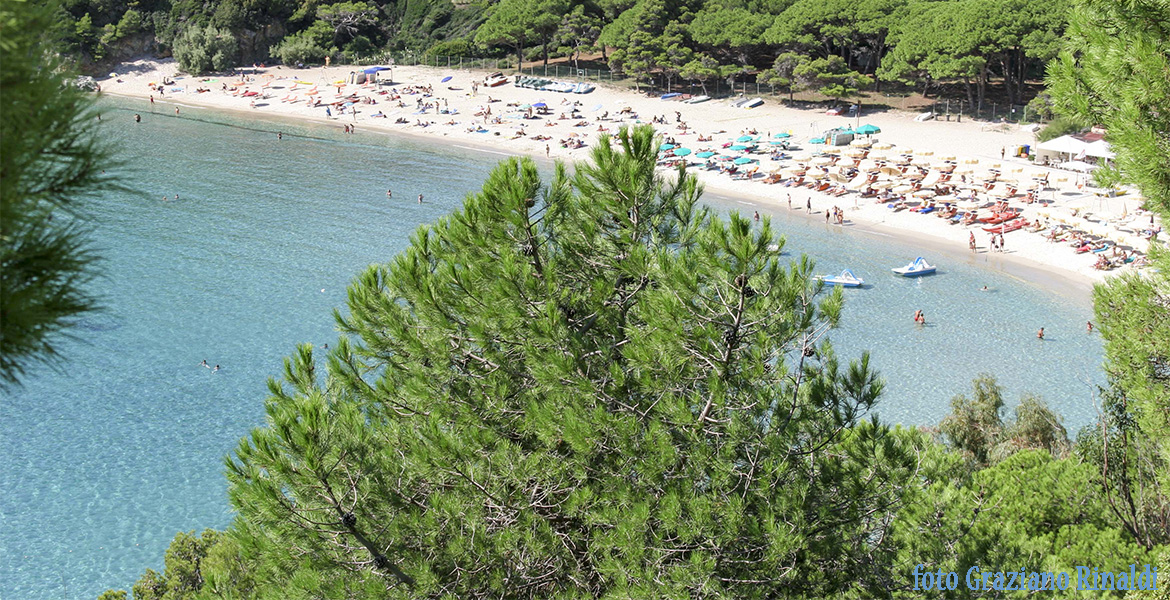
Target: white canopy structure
1069	148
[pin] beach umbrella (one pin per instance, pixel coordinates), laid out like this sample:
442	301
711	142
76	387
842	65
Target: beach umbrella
868	129
540	105
666	147
882	185
446	79
924	194
782	135
596	108
745	138
777	142
818	174
883	146
705	154
903	189
724	158
855	152
861	143
682	151
738	148
831	150
817	141
892	171
743	160
821	161
868	166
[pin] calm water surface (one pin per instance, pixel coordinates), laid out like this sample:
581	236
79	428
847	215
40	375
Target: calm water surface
107	459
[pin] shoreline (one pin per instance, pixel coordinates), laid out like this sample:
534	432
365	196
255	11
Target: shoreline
1029	257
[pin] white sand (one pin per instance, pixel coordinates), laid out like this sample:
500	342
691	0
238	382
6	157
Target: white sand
1032	256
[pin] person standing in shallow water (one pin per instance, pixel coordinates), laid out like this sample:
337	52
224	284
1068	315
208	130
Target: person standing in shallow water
420	198
1040	334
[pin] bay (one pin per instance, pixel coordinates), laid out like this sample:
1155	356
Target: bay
110	456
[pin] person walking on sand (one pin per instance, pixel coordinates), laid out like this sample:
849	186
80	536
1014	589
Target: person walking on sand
547	151
971	242
789	201
808	205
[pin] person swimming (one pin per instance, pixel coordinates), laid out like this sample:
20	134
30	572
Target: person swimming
216	369
204	364
1040	334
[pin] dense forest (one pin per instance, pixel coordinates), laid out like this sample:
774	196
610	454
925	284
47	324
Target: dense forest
832	47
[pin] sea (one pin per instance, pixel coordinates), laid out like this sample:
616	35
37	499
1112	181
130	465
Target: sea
108	456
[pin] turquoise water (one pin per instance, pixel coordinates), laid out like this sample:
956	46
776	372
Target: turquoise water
107	459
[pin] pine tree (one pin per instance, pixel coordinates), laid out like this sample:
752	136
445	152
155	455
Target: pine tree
582	388
50	160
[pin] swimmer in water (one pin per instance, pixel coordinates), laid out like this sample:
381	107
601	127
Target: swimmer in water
1089	326
420	198
389	194
216	369
983	289
137	118
204	364
1040	334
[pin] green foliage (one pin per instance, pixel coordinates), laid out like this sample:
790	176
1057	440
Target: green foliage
1112	72
303	47
975	426
51	160
201	50
1030	511
515	23
457	47
113	595
184	575
1058	127
830	76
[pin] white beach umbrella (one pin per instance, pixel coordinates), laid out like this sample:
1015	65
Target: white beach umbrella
861	143
883	146
904	189
924	194
868	166
821	161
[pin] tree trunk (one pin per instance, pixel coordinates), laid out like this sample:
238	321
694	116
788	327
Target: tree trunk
970	92
544	47
982	84
520	57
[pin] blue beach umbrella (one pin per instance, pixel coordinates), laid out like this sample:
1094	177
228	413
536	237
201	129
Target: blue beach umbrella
783	135
682	151
446	79
743	160
745	138
666	147
540	105
705	154
738	148
868	129
817	141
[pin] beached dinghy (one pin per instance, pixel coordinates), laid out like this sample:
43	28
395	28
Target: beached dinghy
915	269
670	96
697	99
845	279
752	103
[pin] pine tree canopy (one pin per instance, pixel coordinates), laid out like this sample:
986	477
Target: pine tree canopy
586	387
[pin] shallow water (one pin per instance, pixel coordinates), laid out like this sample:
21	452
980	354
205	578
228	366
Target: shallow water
107	459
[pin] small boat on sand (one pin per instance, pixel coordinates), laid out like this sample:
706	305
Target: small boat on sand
697	99
1006	227
916	268
845	279
670	96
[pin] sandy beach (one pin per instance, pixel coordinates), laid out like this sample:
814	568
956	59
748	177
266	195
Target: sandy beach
971	149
